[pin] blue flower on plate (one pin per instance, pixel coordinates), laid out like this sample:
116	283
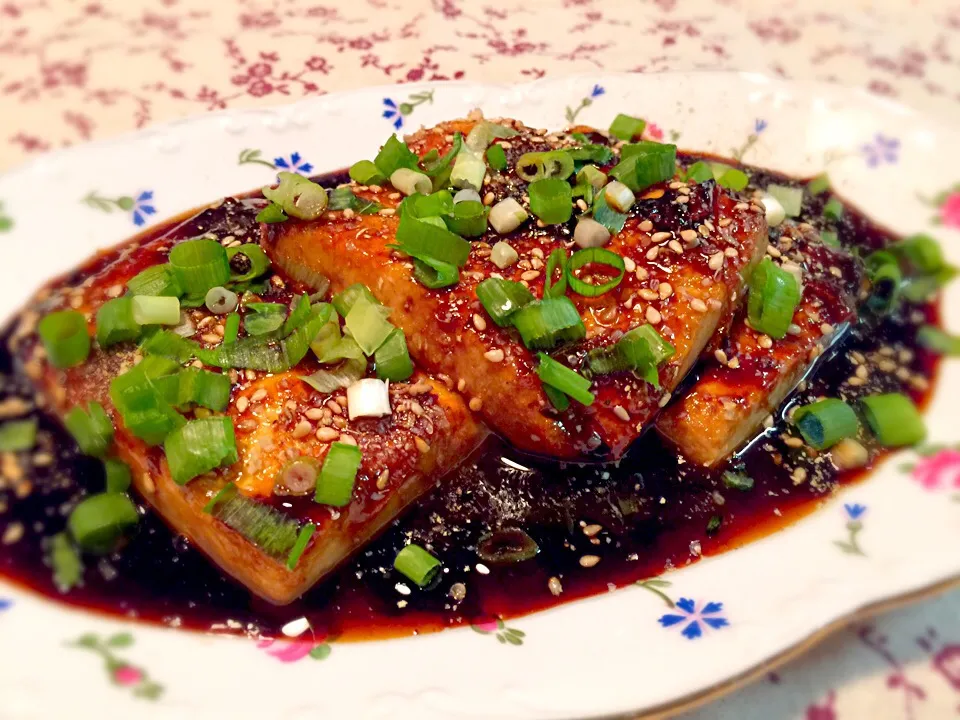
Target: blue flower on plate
597	91
883	150
142	207
855	510
709	615
392	112
5	604
295	164
759	125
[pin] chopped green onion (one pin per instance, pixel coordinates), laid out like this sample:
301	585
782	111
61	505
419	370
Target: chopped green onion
142	407
737	481
619	196
438	204
886	278
297	196
485	132
556	262
343	301
156	280
231	329
507	545
343	375
922	252
466	195
507	215
562	378
560	401
343	198
644	164
200	446
155	310
196	387
894	419
65	561
468	170
115	323
221	301
365	172
92	429
599	256
590	153
830	239
263	525
328	339
826	422
247	261
263	318
338	475
699	172
65	338
536	166
441	168
627	128
393	359
544	324
18	435
301	310
641	349
774	295
938	341
469	218
819	184
729	177
272	213
497	157
117	474
200	265
417	565
421	240
607	216
394	155
919	289
502	298
169	345
303	539
790	198
410	181
99	520
833	210
551	200
369	327
592	175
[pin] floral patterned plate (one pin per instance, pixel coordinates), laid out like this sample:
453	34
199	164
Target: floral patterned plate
637	649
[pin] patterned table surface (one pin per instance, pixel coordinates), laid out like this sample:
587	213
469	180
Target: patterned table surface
75	70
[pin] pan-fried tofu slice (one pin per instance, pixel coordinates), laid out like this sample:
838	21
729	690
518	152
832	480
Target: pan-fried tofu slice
686	249
751	373
277	418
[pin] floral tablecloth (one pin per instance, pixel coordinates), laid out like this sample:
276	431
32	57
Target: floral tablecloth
75	70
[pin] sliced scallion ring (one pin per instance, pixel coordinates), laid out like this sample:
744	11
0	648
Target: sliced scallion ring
894	419
65	338
502	298
338	475
297	196
417	565
199	265
99	520
556	262
544	324
598	256
541	165
826	422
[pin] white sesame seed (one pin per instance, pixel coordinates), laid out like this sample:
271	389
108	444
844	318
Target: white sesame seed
665	290
765	341
621	413
653	252
530	275
653	316
698	305
588	561
495	355
479	323
645	226
659	237
676	247
629	265
716	261
688	235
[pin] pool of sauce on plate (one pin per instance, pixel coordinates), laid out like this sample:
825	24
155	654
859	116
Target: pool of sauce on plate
647	514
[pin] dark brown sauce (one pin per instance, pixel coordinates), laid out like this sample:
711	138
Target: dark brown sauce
652	508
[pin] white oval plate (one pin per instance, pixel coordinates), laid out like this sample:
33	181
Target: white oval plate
625	651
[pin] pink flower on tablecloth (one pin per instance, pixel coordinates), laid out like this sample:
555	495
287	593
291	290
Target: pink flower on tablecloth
127	675
318	64
950	210
822	712
259	70
939	470
260	88
947	663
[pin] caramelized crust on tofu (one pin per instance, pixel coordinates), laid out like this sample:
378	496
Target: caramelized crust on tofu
277	418
686	249
751	374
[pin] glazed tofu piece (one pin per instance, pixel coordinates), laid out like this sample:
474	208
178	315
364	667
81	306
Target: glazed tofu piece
686	249
751	374
247	516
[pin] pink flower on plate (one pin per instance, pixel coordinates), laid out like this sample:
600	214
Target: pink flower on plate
487	627
950	210
127	675
939	470
654	132
287	651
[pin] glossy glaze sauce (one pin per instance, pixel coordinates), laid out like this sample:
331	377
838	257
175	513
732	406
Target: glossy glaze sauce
634	519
